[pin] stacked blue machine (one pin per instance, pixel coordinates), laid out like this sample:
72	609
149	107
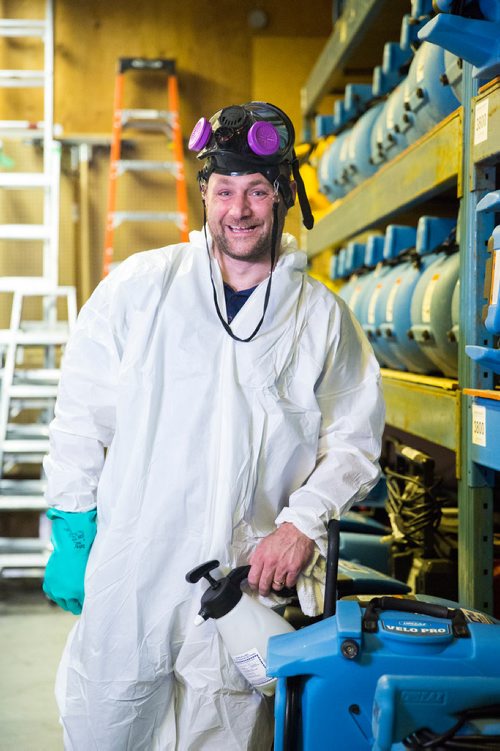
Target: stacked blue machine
403	289
471	31
384	671
410	93
489	357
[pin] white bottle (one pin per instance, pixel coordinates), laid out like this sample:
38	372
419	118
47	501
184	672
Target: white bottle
244	624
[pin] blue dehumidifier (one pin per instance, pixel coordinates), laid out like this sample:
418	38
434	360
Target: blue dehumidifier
386	674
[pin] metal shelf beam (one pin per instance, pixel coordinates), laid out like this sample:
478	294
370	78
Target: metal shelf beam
425	168
424	406
349	32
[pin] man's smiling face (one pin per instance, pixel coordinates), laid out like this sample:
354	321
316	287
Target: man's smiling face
240	215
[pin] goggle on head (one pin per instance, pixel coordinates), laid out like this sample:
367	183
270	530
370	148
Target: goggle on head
247	138
257	131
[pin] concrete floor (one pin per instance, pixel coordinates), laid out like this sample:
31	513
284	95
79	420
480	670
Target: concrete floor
32	637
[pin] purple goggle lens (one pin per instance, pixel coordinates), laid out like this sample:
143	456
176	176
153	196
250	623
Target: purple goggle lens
263	138
200	135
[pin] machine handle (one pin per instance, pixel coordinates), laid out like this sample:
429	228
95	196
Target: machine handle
332	568
378	604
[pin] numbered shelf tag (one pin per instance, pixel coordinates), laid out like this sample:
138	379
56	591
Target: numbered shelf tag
481	122
478	425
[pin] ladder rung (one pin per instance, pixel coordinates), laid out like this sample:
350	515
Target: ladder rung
24	180
22	78
24	488
30	285
24	391
149	165
145	216
37	446
59	327
21	129
148	120
24	232
42	375
33	338
20	27
22	565
25	430
23	545
23	503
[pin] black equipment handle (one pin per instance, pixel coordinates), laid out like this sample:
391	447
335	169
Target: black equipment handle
378	604
332	568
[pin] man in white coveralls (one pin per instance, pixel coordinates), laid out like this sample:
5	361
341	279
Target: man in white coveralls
215	402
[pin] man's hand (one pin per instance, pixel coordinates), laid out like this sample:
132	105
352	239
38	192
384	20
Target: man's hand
279	558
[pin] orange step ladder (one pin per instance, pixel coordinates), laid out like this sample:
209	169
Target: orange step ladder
165	121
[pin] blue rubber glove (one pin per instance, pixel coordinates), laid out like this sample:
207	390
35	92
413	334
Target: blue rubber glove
72	537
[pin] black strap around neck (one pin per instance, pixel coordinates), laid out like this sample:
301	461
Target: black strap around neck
274	237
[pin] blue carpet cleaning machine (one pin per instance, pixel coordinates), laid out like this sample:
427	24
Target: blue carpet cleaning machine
387	673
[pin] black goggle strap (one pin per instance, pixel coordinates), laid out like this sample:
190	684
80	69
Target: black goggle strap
274	237
307	215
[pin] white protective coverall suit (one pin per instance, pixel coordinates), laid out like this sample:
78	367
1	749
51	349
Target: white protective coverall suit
211	442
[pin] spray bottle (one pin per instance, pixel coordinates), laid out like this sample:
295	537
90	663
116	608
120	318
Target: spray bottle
244	624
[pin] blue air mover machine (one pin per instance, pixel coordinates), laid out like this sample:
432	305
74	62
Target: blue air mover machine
330	177
387	673
487	356
367	286
393	315
428	94
373	255
388	138
472	32
354	262
358	160
398	239
431	321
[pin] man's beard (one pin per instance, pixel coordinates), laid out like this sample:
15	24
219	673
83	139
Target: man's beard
261	249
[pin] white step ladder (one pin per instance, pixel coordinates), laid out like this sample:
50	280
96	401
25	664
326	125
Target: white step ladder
45	233
30	349
31	371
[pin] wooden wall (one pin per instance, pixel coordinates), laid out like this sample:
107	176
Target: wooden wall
220	60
